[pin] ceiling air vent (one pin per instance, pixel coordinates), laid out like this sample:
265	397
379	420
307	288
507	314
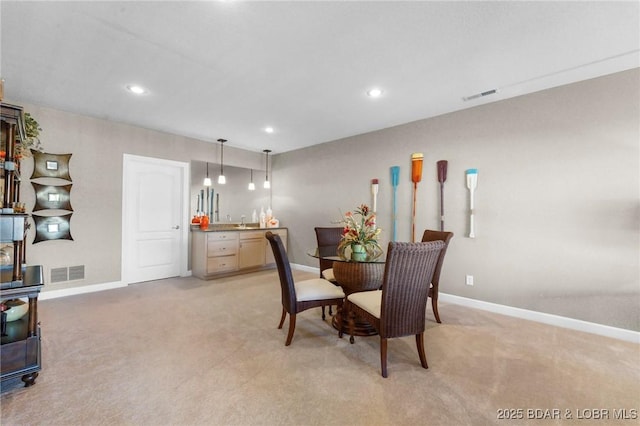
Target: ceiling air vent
480	95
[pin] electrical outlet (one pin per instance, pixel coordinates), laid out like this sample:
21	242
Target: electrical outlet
468	280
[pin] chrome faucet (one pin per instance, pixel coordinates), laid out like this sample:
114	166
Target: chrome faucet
228	218
242	220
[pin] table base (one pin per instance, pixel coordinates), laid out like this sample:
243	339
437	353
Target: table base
361	326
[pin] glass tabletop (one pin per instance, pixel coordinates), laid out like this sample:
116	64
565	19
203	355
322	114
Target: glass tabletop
329	253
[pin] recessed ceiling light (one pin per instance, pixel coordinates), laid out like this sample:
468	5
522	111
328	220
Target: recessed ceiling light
269	129
138	90
374	93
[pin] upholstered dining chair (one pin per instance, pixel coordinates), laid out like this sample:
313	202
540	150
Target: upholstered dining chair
428	236
328	238
399	308
302	295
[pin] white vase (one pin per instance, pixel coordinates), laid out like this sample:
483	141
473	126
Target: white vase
16	309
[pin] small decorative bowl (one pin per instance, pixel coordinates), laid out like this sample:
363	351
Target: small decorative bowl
17	309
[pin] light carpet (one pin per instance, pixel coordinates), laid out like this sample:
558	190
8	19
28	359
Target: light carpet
189	352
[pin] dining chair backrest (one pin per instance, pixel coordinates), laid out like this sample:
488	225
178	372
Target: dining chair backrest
328	237
430	235
284	272
409	269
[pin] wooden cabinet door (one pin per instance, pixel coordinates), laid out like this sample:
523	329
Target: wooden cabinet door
251	253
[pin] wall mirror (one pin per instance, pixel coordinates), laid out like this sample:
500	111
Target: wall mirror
233	199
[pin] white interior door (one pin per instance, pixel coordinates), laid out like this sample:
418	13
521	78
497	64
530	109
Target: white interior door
154	239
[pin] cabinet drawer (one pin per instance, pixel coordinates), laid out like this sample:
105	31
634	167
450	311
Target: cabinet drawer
222	248
222	264
222	236
257	235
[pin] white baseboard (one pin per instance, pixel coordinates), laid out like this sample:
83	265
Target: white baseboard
63	292
556	320
53	294
306	268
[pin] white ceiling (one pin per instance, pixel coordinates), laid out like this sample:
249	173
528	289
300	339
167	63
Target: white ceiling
228	69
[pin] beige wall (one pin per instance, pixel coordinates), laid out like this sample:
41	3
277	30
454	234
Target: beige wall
97	147
557	201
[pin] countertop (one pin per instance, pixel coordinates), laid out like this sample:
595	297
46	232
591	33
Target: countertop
228	228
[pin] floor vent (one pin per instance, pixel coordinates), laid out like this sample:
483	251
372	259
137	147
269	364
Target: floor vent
76	272
58	275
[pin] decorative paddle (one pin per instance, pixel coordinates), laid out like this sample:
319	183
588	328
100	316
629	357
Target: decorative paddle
416	176
442	177
374	193
472	183
395	180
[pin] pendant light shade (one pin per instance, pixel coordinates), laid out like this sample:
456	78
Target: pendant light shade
252	186
207	179
221	179
267	184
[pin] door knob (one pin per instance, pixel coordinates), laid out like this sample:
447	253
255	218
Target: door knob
176	227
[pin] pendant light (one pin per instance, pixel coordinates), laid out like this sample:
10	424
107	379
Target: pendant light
207	180
252	186
221	179
267	184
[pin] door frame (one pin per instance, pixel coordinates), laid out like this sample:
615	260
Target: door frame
185	172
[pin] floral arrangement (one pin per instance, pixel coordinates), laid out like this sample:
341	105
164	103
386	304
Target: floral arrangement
32	142
360	229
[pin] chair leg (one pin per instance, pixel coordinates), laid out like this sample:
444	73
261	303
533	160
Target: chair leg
351	320
330	312
383	356
421	354
434	305
292	327
284	314
323	316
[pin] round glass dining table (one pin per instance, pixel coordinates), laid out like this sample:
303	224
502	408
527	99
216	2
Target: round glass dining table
353	276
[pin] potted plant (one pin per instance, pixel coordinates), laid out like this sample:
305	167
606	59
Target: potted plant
32	140
360	234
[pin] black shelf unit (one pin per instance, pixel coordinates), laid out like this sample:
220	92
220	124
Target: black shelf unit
20	348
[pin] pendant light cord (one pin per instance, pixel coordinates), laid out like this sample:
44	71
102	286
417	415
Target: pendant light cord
222	141
266	177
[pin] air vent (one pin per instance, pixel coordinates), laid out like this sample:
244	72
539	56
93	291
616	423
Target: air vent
76	272
58	275
480	95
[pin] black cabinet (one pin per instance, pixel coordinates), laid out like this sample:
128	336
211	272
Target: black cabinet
20	344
